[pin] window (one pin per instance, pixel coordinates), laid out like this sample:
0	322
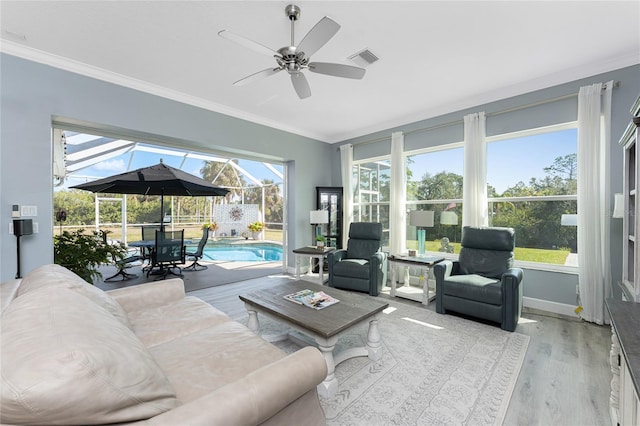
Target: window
434	182
371	200
532	187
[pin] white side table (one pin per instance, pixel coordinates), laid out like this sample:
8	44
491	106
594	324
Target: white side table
313	253
422	262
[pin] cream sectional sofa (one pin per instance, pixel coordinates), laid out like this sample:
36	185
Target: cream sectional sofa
146	354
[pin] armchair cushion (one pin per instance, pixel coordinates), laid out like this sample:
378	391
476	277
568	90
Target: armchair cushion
475	287
354	268
364	239
486	253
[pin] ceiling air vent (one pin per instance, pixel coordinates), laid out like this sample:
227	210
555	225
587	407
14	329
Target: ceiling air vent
364	58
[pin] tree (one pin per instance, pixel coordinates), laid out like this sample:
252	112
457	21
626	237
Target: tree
273	200
564	169
224	175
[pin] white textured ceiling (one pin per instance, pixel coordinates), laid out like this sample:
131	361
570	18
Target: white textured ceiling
435	57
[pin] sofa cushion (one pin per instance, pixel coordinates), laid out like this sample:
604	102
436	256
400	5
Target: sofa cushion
69	361
53	275
208	359
163	323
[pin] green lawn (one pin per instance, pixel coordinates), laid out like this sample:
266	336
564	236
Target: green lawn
556	257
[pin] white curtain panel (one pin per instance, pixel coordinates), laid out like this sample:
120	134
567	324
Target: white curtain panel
397	213
594	271
346	167
474	190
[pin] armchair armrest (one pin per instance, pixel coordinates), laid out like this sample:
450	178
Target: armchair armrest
143	296
512	290
377	272
442	271
513	275
258	396
336	256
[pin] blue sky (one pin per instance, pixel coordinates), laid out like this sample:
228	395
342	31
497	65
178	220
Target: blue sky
508	161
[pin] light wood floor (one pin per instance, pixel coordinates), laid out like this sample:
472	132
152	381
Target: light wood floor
565	378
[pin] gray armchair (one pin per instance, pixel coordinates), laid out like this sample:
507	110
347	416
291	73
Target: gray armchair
483	282
363	265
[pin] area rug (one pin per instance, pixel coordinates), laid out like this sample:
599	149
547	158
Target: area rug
435	370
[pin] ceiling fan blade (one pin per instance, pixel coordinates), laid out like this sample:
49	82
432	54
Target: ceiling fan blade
337	70
318	36
257	76
249	44
301	85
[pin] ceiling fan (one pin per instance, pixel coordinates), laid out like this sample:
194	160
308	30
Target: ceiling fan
294	59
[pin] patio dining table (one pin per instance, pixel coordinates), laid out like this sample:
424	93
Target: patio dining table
146	247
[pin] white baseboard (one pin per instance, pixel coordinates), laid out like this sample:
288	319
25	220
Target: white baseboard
548	306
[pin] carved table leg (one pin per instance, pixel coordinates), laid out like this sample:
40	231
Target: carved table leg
374	345
329	386
253	324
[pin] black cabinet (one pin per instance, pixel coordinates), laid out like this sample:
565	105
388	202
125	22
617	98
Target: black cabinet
330	198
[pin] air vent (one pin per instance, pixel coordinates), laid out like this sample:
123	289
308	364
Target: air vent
364	58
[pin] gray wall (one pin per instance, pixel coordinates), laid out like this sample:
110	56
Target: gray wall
545	285
32	95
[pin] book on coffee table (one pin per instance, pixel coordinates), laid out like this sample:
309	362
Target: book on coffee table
312	299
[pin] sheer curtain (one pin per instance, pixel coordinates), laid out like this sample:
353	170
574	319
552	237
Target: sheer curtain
397	210
346	168
474	190
594	134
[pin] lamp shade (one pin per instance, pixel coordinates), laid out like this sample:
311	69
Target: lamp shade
318	216
618	206
422	218
569	220
448	218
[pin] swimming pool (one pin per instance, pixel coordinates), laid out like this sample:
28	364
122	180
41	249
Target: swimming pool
249	252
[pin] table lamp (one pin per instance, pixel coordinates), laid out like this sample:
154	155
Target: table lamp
449	218
421	219
569	220
317	218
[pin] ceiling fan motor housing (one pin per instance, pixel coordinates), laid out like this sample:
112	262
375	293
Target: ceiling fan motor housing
293	12
291	60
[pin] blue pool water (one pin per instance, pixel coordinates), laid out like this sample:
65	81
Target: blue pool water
243	252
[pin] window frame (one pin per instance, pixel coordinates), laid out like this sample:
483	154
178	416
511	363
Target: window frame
526	133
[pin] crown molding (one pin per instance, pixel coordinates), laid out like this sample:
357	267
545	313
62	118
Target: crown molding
550	80
562	77
81	68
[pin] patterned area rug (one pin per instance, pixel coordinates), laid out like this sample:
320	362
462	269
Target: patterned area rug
435	370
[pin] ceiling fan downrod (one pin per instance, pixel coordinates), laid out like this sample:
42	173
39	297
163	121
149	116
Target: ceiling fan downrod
293	13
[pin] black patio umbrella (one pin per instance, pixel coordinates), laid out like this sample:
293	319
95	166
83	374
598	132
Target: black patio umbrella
155	180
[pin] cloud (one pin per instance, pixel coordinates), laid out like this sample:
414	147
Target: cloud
111	166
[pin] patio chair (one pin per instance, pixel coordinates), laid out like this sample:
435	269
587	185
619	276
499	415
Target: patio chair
124	263
148	234
198	254
168	253
483	282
